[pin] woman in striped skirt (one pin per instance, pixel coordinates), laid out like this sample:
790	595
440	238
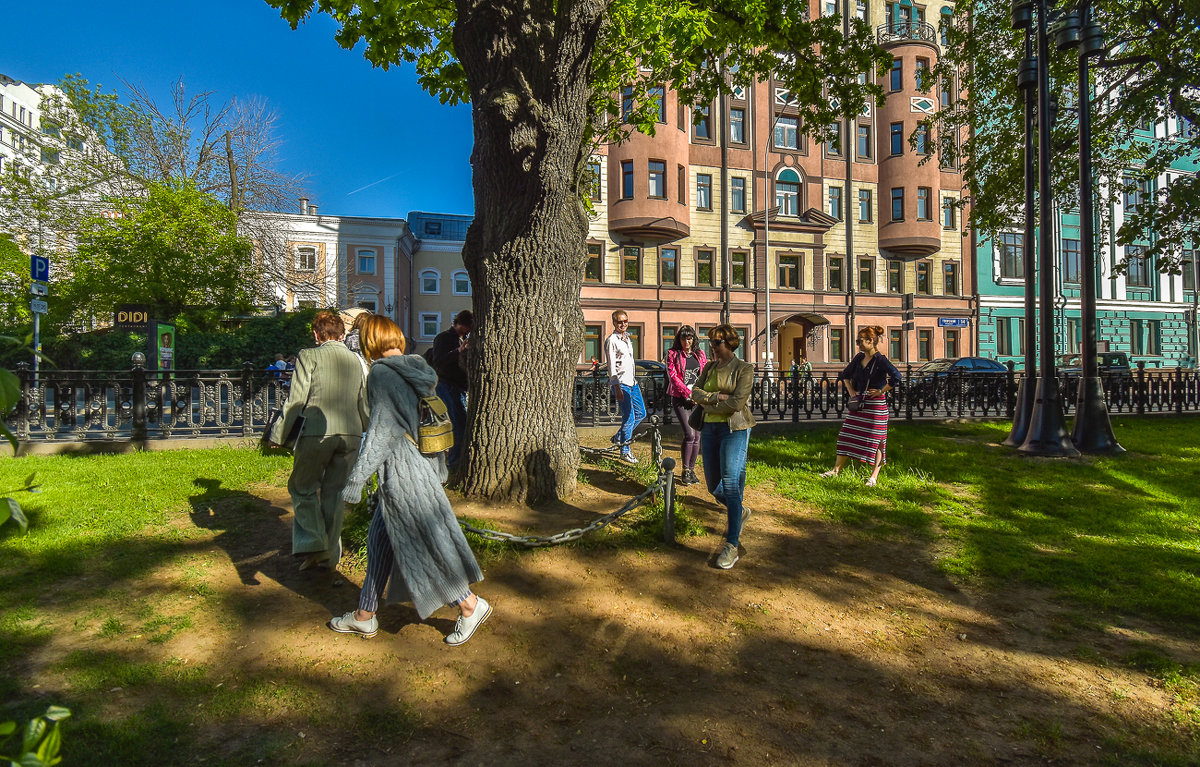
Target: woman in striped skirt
864	432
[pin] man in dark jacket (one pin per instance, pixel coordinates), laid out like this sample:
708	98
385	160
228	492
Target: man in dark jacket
448	347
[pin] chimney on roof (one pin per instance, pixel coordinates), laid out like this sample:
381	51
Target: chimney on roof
303	206
312	209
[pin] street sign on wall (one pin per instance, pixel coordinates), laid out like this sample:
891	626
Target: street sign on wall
953	322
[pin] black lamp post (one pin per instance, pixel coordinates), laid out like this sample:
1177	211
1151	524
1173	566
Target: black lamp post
1022	18
1093	431
1047	434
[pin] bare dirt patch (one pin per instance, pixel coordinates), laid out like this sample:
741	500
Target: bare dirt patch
823	646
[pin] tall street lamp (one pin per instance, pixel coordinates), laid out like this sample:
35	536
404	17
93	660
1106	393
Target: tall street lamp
1047	434
1022	18
1092	432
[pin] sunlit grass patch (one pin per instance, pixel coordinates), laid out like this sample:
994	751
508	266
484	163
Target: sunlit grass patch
1121	534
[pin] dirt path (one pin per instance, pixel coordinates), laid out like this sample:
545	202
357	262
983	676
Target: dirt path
821	647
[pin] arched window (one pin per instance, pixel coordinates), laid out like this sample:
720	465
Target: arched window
461	283
787	192
431	281
947	16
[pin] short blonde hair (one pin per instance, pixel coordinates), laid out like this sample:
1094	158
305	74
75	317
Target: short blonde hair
727	335
377	334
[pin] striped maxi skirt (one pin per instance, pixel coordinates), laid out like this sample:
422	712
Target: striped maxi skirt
865	432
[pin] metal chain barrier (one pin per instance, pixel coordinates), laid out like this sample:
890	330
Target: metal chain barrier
664	483
534	541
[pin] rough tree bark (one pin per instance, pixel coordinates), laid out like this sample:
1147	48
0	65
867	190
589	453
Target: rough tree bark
525	249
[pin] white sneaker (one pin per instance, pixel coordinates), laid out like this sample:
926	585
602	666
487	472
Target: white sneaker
346	624
465	627
728	557
628	458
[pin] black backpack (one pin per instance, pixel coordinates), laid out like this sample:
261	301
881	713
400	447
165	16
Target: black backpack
428	355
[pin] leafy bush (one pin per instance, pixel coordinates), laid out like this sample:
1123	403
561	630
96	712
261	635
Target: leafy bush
202	343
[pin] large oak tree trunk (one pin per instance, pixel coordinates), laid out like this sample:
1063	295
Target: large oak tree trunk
525	249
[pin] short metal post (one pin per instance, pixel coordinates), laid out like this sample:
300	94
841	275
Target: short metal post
909	390
1141	398
668	475
25	403
139	401
596	395
247	399
656	443
1178	393
794	383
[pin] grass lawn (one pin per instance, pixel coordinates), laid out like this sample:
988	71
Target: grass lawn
1116	536
140	569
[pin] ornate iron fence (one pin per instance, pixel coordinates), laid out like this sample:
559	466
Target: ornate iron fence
796	396
83	405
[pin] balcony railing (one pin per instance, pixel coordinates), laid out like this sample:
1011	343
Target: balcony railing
900	31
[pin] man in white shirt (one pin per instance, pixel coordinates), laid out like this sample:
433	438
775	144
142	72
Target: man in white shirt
618	349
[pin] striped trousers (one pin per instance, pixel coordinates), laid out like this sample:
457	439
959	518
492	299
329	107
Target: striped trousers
381	560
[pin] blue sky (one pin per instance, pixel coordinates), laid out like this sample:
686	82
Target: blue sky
371	143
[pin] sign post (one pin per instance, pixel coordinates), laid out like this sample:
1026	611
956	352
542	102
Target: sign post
39	272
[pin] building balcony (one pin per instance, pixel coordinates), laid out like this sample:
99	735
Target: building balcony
906	32
648	229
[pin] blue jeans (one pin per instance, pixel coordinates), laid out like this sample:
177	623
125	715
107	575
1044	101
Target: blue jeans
633	410
456	408
724	454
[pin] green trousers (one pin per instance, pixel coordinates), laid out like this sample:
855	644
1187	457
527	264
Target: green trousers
319	474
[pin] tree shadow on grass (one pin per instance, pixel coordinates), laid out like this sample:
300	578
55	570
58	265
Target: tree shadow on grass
578	684
257	539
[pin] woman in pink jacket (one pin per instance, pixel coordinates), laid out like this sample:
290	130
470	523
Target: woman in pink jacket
684	361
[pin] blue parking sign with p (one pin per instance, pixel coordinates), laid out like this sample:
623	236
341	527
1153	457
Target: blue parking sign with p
39	268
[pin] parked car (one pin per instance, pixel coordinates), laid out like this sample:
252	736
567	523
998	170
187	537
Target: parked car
1110	364
976	378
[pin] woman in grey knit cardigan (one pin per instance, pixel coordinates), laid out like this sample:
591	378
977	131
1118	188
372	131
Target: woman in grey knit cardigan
413	532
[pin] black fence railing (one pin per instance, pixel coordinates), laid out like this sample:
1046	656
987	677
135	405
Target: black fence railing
83	405
797	396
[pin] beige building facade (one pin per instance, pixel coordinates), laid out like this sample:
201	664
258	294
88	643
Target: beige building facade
759	239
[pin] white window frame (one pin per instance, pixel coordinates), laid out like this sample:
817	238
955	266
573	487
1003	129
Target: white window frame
437	276
358	256
435	317
300	267
454	282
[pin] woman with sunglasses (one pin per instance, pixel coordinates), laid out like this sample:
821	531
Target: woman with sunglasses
863	435
685	360
723	390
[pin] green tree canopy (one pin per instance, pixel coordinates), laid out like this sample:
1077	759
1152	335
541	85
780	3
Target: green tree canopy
1148	74
173	249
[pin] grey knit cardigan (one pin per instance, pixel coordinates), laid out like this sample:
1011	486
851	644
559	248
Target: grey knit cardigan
435	564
